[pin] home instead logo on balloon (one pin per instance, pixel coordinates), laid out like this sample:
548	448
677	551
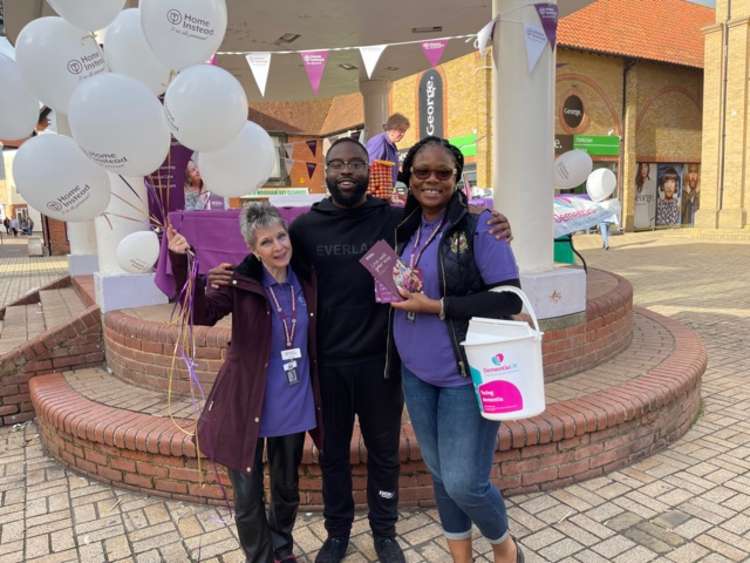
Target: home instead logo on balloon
92	64
185	23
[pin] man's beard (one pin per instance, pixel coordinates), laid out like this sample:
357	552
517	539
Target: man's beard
360	188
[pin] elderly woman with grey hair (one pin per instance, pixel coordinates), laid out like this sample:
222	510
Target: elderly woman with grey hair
266	394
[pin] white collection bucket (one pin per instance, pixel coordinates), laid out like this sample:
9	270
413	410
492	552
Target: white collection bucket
505	359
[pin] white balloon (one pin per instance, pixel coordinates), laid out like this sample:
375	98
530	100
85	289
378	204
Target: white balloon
184	32
120	124
55	178
600	184
572	168
128	53
137	252
91	15
19	108
206	107
242	166
54	57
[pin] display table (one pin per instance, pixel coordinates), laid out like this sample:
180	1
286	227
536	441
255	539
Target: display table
214	235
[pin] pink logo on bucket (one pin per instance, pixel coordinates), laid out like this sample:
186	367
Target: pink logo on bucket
498	359
500	397
501	365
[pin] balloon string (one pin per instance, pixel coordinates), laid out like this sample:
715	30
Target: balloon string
132	189
126	202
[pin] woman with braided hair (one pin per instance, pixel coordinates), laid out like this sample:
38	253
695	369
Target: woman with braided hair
458	262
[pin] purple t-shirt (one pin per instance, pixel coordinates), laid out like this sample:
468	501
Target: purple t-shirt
380	147
424	344
287	409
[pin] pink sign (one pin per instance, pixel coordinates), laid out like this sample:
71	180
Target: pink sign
433	50
315	64
500	397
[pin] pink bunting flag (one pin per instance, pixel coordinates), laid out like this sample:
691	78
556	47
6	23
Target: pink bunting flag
312	144
434	50
311	166
315	64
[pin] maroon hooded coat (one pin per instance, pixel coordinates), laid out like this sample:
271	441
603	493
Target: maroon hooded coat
228	427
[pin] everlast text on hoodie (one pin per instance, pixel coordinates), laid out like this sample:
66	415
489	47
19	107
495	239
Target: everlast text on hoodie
351	325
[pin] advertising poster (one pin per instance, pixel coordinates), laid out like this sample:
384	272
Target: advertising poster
645	195
691	195
668	193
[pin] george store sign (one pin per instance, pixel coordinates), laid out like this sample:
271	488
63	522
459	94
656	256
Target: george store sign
431	104
572	111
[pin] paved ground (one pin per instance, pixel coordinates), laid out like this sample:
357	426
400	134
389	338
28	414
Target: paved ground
688	503
19	273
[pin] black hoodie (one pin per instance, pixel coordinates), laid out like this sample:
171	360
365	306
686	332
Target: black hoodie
351	325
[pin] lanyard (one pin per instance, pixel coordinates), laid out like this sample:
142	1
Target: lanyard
288	327
417	251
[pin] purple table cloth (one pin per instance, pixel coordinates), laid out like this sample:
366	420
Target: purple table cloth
214	235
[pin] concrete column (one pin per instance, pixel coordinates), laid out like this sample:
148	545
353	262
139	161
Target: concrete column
712	129
732	211
127	213
523	158
629	153
375	94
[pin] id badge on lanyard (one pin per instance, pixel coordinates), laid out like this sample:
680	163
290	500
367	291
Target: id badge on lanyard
289	355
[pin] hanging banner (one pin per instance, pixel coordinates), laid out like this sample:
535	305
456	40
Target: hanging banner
371	56
578	213
434	50
312	144
311	166
485	36
168	182
536	41
431	104
315	64
260	65
548	15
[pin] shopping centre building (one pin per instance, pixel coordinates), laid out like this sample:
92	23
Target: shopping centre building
629	90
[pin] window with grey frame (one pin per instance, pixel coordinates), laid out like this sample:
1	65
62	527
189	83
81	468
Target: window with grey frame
280	174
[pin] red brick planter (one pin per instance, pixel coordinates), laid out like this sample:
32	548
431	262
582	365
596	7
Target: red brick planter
573	440
140	351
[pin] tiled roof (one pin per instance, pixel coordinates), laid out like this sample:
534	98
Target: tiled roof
659	30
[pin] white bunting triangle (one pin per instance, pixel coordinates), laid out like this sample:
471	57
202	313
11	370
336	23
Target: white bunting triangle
371	56
260	65
485	36
536	41
289	149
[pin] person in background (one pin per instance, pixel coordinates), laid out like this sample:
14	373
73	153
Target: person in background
266	395
196	194
459	261
14	226
6	224
383	146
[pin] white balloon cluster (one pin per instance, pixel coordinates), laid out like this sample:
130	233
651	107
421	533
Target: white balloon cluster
573	168
109	93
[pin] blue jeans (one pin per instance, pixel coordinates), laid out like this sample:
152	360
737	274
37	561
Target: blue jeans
457	446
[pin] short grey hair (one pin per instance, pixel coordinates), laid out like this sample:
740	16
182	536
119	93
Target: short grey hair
259	215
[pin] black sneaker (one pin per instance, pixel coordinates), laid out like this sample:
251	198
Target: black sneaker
333	550
388	550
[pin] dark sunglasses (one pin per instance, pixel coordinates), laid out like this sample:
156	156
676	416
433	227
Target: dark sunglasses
442	174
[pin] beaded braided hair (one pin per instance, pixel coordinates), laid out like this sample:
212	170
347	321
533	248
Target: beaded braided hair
454	151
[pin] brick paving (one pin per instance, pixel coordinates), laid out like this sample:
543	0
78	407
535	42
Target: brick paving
21	273
688	503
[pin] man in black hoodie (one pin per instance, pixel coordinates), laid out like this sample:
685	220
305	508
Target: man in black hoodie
333	236
356	375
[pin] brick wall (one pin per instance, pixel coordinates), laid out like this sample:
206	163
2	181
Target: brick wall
571	441
75	345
